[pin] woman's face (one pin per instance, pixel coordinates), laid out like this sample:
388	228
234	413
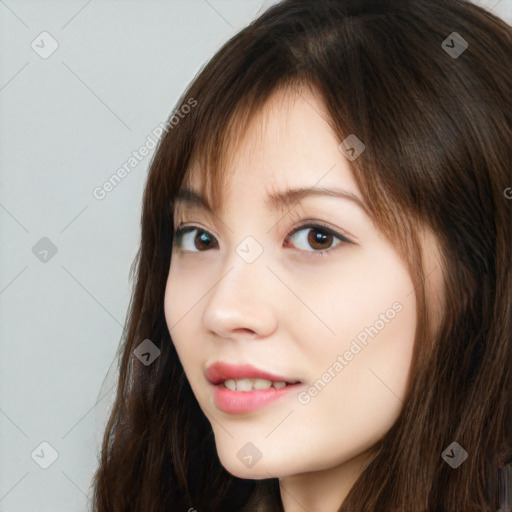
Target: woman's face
249	286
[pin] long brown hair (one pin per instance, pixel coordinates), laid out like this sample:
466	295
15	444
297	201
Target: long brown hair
435	117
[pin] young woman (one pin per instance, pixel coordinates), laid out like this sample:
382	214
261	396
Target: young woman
322	313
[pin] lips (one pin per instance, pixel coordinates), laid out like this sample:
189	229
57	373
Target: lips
219	372
233	393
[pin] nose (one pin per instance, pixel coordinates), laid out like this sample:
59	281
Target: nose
242	302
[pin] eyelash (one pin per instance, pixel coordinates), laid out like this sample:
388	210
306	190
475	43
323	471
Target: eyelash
182	230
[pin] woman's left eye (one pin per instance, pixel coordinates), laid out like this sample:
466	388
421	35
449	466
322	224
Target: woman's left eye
320	239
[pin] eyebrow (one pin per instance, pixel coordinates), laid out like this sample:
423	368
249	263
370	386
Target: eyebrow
287	198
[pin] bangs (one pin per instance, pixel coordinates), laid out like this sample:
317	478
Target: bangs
219	137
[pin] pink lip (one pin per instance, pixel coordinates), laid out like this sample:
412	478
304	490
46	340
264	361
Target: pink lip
219	372
239	402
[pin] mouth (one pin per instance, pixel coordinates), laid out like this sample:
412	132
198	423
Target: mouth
254	384
239	389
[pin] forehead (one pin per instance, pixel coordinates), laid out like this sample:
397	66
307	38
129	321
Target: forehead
287	152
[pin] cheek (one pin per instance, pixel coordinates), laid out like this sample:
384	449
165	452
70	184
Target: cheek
182	292
358	377
368	295
185	288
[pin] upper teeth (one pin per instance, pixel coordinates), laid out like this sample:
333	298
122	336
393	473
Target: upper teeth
250	384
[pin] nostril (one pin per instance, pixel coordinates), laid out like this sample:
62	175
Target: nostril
244	330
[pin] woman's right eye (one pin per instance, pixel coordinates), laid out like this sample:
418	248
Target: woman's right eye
198	239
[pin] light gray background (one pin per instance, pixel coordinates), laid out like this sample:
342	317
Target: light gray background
68	122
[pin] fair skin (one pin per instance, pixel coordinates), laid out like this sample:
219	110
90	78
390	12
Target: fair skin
293	312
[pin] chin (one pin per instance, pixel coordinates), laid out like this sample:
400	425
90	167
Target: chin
252	475
258	471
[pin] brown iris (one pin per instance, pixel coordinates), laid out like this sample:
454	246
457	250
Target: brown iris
318	238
